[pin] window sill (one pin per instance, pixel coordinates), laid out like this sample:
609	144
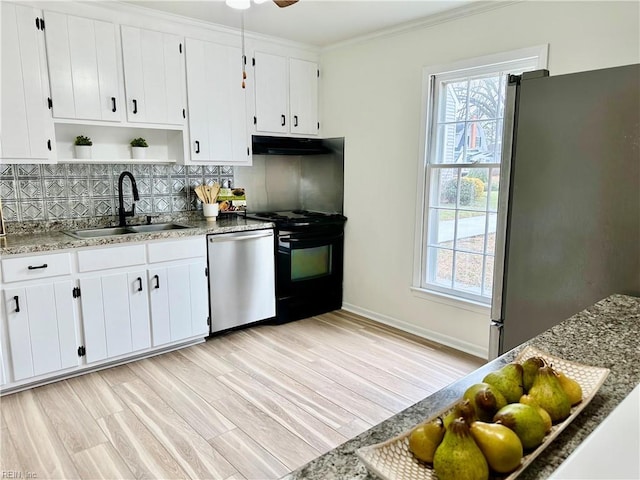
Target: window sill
470	305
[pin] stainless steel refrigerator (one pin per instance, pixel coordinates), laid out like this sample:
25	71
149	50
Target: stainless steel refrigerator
568	231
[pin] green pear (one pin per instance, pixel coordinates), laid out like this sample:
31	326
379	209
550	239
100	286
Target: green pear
529	400
463	409
549	394
486	400
529	371
500	445
458	457
525	421
508	380
425	438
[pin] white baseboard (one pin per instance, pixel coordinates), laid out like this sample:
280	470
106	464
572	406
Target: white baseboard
446	340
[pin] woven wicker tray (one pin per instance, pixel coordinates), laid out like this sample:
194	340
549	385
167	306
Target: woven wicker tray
392	460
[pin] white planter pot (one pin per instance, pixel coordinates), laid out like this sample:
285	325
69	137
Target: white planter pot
138	153
83	151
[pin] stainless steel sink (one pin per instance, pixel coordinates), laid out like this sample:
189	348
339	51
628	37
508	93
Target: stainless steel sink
157	227
128	230
99	232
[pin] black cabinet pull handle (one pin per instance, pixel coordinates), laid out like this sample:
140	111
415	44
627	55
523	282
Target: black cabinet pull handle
49	144
113	104
31	267
17	304
283	120
157	279
37	23
295	120
139	279
197	146
135	106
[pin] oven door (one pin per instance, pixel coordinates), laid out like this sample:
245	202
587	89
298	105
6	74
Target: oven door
310	262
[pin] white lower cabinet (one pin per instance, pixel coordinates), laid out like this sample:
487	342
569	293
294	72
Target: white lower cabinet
179	304
136	297
41	327
78	309
115	314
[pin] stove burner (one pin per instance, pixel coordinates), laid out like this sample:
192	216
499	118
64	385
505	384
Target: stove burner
300	218
271	215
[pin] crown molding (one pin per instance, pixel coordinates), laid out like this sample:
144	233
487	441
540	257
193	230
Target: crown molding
218	28
117	8
429	21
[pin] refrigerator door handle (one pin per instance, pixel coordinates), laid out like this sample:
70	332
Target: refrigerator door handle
495	340
502	221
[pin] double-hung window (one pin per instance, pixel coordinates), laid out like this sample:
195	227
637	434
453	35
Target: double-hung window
460	179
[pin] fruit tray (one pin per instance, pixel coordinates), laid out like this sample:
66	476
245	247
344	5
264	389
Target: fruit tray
392	460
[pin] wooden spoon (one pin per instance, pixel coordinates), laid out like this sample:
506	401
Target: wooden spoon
200	192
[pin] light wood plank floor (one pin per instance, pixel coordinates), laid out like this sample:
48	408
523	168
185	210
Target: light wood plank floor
253	404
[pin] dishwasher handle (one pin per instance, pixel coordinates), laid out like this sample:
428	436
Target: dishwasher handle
235	237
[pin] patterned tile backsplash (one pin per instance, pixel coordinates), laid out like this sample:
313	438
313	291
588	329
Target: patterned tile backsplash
69	191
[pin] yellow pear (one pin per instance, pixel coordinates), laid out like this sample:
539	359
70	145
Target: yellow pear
570	387
499	444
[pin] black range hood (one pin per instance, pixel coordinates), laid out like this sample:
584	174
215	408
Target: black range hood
264	145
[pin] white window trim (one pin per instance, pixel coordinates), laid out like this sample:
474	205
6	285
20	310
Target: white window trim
540	53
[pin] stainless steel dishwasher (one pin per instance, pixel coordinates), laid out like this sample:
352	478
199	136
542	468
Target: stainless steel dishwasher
241	278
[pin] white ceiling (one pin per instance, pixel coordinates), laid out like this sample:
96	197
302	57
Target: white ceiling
315	22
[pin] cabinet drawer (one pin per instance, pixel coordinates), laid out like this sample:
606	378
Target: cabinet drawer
35	266
175	250
110	257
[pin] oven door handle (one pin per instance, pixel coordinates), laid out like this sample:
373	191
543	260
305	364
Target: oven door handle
314	240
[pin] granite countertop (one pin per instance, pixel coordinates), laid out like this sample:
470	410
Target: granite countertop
40	237
604	335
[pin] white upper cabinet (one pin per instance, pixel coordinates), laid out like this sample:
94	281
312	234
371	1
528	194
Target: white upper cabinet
153	76
303	96
271	87
27	128
83	68
286	94
217	104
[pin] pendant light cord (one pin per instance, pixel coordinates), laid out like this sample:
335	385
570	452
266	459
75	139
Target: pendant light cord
244	58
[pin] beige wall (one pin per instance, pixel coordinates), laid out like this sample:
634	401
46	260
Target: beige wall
372	96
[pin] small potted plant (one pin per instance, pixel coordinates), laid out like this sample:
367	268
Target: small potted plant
83	147
138	146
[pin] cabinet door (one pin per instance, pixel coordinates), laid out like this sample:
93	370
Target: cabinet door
303	96
159	301
179	302
27	127
83	68
217	103
115	320
154	76
41	328
271	88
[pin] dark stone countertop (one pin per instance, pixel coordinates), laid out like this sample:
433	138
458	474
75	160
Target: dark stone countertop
604	335
35	237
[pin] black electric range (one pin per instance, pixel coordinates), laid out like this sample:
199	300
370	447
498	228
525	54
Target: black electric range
299	218
309	261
